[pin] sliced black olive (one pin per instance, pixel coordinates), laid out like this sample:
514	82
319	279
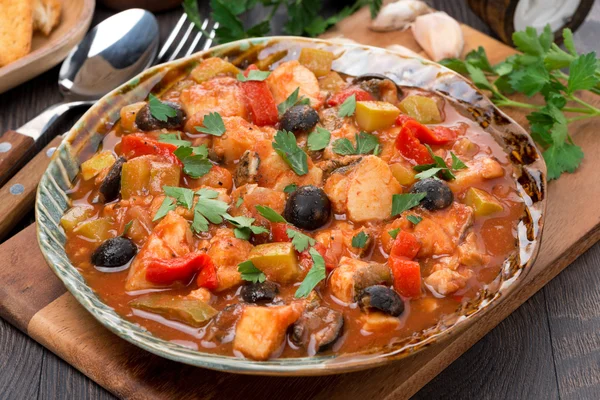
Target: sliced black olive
439	195
307	208
320	328
114	252
259	292
146	122
300	118
111	185
381	298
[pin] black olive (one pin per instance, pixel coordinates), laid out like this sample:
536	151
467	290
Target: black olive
146	122
320	328
300	118
111	185
439	195
259	292
307	208
114	252
381	298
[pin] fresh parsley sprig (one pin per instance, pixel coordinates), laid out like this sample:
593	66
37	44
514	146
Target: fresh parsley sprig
439	168
316	274
213	125
291	101
250	273
304	17
540	70
365	144
285	145
159	110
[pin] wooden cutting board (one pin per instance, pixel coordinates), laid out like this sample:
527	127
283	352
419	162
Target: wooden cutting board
35	301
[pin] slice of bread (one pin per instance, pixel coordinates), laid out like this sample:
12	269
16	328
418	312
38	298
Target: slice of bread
46	15
16	29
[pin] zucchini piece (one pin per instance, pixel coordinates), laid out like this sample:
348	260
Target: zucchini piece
318	61
212	67
135	177
277	260
97	230
74	216
96	164
189	310
332	82
375	115
403	174
422	108
482	202
161	174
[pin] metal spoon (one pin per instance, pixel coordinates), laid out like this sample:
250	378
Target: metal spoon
112	53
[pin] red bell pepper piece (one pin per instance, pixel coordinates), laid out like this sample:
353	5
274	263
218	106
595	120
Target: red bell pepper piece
207	278
306	260
407	276
165	272
402	119
341	96
140	145
406	272
260	100
279	232
405	245
409	146
438	135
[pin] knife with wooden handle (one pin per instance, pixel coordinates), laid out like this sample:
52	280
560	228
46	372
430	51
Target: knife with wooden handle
17	147
17	196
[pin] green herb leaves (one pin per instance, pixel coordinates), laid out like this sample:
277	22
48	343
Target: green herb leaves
208	208
253	75
415	219
318	139
360	240
173	138
348	107
403	202
160	110
300	241
365	144
166	206
285	145
270	214
213	125
250	273
291	101
539	70
316	274
439	167
194	160
394	232
243	227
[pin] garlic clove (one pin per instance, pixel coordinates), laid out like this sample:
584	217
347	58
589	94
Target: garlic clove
398	15
439	35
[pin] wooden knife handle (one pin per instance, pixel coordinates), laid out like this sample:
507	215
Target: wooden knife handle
17	196
15	150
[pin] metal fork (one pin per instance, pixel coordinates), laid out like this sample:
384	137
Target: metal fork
202	34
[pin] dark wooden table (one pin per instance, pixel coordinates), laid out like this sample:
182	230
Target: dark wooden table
549	348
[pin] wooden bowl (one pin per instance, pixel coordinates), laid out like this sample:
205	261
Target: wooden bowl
529	172
46	52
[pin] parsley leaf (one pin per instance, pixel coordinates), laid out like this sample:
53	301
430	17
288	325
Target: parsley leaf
360	240
250	273
348	107
291	101
127	227
166	206
208	208
394	232
184	197
582	73
316	274
270	214
243	226
239	201
194	160
457	164
318	139
291	188
300	241
403	202
415	219
213	125
285	145
173	138
365	144
253	75
160	110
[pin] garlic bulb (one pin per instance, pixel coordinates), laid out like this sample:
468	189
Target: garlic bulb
398	15
439	35
403	51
